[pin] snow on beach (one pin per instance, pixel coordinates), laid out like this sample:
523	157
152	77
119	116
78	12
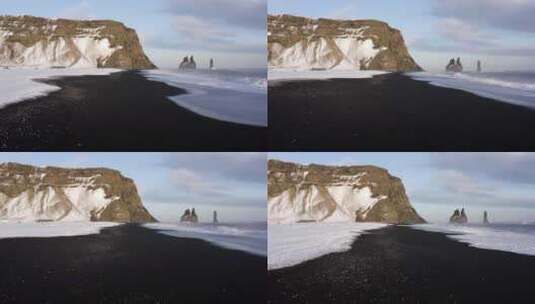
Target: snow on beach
512	238
17	84
14	229
281	74
512	87
238	96
248	237
292	244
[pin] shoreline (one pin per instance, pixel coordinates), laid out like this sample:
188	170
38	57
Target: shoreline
127	264
404	265
120	112
392	112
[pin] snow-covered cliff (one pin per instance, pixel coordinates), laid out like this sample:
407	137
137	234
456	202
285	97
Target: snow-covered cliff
298	193
30	193
38	42
298	42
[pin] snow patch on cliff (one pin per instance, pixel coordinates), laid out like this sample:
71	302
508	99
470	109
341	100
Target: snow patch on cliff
293	244
334	203
83	51
75	202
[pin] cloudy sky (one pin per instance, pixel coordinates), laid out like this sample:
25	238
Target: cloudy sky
437	183
234	184
233	32
499	32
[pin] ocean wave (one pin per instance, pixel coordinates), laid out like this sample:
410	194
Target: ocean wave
504	237
245	237
233	96
511	87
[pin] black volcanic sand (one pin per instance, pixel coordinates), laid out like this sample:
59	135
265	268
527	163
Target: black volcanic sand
403	265
120	112
392	113
127	264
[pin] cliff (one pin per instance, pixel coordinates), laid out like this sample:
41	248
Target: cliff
298	42
30	193
39	42
298	193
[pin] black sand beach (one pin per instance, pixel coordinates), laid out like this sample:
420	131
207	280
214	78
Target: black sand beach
403	265
127	264
120	112
392	113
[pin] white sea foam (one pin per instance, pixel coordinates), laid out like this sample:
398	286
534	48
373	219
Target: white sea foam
512	87
513	238
233	96
251	238
292	244
17	84
282	74
13	229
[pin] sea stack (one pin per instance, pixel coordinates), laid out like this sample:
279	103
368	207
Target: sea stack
212	67
454	66
27	41
189	216
215	221
322	44
29	193
459	217
317	193
188	63
485	218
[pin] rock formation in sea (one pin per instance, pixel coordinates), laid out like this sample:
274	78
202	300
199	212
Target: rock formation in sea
188	63
301	193
29	193
189	216
299	42
215	221
39	42
459	217
212	66
479	69
454	66
485	218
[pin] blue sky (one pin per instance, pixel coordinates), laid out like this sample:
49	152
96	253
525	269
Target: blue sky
230	31
234	184
437	183
500	33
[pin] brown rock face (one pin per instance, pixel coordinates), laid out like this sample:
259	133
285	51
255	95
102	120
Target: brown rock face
59	35
311	35
99	194
323	193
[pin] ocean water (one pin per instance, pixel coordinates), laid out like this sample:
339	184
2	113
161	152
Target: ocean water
517	238
248	237
512	87
238	96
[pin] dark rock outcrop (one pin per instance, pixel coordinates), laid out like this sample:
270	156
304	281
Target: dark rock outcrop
459	217
189	216
454	66
321	193
485	218
56	194
188	64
